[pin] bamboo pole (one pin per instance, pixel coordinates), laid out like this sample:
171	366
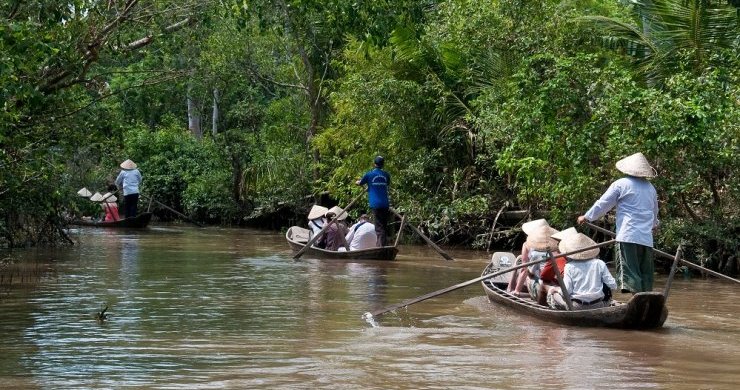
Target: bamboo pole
425	238
669	256
317	235
370	315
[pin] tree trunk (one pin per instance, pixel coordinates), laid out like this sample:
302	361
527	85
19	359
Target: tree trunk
214	117
194	116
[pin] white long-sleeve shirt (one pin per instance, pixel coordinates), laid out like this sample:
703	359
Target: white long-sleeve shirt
129	181
637	209
584	280
362	236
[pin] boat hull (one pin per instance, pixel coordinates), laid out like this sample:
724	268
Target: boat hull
297	238
138	222
644	310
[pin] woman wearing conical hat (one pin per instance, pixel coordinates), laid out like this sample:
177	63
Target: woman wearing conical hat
108	202
636	203
518	278
129	181
316	222
336	231
584	277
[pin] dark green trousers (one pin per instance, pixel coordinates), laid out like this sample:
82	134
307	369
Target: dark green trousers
635	267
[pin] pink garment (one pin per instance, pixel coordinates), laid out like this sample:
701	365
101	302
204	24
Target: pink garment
111	212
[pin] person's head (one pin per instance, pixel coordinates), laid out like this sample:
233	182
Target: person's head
337	211
578	241
128	165
84	192
363	217
560	236
541	239
531	226
636	165
379	161
109	198
317	212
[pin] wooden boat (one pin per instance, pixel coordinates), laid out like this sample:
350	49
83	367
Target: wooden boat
645	310
298	237
138	222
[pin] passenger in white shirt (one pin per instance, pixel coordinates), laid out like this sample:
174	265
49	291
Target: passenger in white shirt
316	223
361	235
584	277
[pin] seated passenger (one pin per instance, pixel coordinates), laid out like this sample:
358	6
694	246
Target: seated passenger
98	198
584	277
361	235
110	207
519	277
336	231
316	222
540	244
548	277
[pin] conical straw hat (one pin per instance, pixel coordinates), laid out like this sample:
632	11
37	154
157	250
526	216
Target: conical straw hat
531	226
109	198
636	165
128	164
96	197
564	233
541	239
84	192
338	212
317	212
578	241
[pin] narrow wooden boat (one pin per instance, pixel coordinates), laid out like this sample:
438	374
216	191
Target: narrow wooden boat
138	222
298	237
644	310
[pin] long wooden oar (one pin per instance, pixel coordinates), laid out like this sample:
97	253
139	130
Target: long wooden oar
668	256
425	238
370	315
185	217
326	226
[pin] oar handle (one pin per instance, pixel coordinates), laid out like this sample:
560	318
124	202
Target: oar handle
424	297
317	235
425	238
174	211
668	255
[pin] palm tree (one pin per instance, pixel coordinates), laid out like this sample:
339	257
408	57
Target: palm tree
666	34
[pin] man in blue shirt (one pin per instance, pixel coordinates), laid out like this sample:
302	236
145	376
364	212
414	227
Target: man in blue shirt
636	202
378	181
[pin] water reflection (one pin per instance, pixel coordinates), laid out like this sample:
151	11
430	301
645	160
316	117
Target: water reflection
227	308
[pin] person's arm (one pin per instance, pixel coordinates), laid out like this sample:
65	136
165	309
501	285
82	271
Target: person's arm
525	253
656	222
606	276
119	180
602	206
350	235
362	181
568	281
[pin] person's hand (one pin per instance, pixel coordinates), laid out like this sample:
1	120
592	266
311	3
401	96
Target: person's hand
357	182
581	219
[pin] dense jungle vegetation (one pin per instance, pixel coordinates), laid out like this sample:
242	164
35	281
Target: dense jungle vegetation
235	109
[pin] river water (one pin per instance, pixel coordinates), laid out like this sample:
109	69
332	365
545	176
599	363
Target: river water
229	308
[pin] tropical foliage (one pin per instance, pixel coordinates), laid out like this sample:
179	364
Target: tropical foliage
236	110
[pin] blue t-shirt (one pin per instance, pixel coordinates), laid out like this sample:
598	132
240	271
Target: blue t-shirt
377	182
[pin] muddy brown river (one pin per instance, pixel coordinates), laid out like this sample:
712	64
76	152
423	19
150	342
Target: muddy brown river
230	308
